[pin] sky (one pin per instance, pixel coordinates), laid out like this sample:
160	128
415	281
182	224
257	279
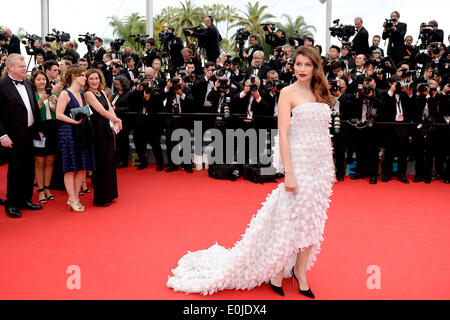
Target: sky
82	16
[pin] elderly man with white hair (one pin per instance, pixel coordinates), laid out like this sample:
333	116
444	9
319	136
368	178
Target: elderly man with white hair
19	123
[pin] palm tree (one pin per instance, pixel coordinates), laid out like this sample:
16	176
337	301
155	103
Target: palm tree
187	15
253	18
131	25
296	27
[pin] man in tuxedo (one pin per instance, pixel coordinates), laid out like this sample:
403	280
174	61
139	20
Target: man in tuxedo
188	58
14	42
258	68
178	100
254	46
131	73
128	53
395	34
376	45
210	38
70	51
98	53
150	52
360	42
19	122
51	69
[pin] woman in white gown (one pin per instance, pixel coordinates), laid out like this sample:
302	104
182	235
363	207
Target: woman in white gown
285	235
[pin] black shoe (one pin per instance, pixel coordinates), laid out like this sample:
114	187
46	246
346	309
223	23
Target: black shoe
417	179
278	290
13	212
427	180
385	179
30	206
172	168
447	181
403	179
159	167
308	293
188	168
122	164
142	166
356	177
436	177
373	180
2	202
340	177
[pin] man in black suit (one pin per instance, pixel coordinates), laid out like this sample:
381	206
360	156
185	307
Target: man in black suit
14	42
173	46
395	34
258	68
375	45
254	46
19	121
360	43
98	53
275	39
210	38
130	72
178	100
34	48
49	54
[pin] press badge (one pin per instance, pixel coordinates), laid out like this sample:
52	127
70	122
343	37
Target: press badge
447	119
399	117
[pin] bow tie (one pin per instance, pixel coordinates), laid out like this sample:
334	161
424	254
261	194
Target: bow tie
18	82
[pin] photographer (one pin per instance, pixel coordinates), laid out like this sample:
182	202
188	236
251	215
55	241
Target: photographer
150	53
277	39
51	69
436	35
347	57
99	52
330	57
409	51
172	46
156	65
394	31
127	53
39	62
188	58
35	47
258	68
365	105
49	54
398	108
280	56
272	90
121	105
178	100
254	46
375	45
425	114
251	103
342	139
360	43
70	51
130	72
210	37
14	42
147	126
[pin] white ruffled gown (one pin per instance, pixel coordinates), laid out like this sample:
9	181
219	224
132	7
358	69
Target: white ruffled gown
285	224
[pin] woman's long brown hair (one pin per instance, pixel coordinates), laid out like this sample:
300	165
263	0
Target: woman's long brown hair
319	84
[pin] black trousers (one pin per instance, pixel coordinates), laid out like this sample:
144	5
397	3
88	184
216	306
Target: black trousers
396	143
441	150
423	152
366	148
20	177
148	131
343	148
173	123
123	138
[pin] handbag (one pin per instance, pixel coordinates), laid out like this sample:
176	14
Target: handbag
86	110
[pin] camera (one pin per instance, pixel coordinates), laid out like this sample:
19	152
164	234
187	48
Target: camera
194	29
219	71
335	87
226	108
424	34
141	38
166	36
117	43
87	38
342	32
336	121
435	48
31	39
423	87
268	25
276	84
280	51
58	36
48	91
298	40
224	84
177	83
366	89
241	36
253	86
147	84
3	36
389	23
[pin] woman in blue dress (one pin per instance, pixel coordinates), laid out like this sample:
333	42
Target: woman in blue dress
75	158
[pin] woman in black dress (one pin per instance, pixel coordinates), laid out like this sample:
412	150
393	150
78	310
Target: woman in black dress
106	124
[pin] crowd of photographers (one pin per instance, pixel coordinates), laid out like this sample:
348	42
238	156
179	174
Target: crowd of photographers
396	102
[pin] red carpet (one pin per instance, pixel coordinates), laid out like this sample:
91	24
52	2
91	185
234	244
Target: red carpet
126	251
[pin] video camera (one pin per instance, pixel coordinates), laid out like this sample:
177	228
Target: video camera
141	38
195	29
166	36
58	36
116	44
424	34
342	32
242	35
87	38
268	25
31	39
389	23
298	40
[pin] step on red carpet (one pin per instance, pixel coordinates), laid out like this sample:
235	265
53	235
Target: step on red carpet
383	241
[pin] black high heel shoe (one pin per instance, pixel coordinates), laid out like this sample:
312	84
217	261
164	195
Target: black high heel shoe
308	293
278	290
